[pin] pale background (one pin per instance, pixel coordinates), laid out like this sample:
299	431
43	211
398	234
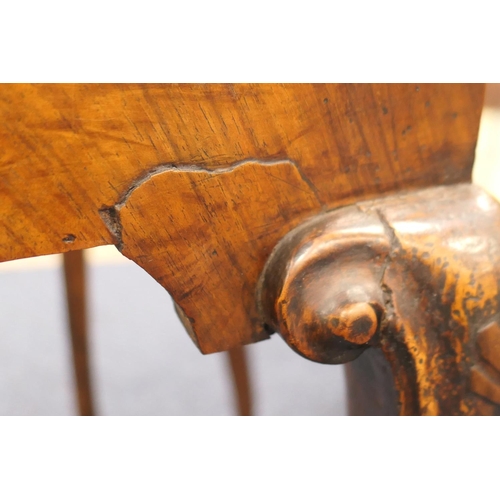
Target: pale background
143	362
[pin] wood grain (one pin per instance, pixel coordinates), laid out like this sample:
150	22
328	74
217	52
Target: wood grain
66	151
205	235
416	275
198	183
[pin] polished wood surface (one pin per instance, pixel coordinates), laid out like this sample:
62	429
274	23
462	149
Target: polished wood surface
416	276
67	151
208	244
321	287
198	184
204	233
76	298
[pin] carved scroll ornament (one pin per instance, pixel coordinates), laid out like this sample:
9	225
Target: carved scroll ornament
415	277
401	286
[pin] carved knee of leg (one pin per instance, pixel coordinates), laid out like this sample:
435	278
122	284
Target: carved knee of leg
415	275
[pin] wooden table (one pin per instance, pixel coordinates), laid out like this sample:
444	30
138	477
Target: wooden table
340	216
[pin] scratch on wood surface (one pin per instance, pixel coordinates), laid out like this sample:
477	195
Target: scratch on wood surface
110	214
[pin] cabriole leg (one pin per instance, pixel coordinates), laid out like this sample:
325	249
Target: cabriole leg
407	288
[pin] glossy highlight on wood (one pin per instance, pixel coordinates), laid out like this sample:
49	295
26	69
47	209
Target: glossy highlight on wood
297	208
321	286
68	150
420	272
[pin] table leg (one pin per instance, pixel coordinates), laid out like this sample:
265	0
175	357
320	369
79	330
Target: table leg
74	274
239	371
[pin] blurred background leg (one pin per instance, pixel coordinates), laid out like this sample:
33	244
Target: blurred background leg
239	371
238	366
74	274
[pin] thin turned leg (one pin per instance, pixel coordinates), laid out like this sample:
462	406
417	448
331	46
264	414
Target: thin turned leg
74	274
239	371
238	366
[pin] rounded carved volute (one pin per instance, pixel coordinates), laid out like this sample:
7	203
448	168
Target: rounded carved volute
414	275
320	288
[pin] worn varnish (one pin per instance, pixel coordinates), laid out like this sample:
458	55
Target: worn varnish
416	276
324	277
198	183
229	196
209	238
66	151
